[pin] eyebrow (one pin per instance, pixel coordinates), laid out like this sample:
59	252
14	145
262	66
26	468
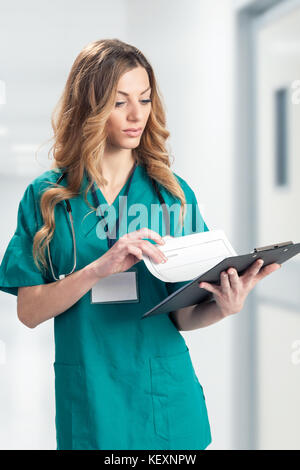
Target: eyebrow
126	94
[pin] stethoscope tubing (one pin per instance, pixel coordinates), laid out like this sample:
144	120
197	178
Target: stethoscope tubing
97	203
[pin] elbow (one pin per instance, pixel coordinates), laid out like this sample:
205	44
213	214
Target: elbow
174	318
30	325
182	318
27	320
24	308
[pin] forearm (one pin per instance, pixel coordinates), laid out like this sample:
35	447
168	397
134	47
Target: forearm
37	304
197	316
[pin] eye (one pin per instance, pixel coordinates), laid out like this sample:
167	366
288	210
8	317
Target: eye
119	103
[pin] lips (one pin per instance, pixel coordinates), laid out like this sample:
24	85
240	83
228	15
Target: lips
133	132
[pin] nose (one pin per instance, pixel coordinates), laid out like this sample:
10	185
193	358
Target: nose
135	112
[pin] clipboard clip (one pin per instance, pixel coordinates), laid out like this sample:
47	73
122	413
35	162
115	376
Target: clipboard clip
270	247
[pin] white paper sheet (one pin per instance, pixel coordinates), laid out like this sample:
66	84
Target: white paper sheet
190	256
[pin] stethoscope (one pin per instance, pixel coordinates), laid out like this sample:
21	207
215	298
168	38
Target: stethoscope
110	241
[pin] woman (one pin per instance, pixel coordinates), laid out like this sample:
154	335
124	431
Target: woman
120	383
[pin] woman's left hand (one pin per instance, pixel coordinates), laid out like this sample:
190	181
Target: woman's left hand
231	294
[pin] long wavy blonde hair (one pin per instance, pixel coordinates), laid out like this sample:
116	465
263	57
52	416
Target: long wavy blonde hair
79	130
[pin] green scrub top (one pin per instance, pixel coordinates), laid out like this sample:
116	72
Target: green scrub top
120	382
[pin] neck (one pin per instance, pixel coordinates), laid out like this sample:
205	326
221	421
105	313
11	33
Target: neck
117	166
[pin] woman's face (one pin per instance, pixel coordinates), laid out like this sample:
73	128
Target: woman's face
131	111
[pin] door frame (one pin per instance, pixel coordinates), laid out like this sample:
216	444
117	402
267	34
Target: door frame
249	16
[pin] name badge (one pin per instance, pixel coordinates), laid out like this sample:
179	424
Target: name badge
116	288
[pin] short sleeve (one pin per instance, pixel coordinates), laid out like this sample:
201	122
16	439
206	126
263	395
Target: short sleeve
17	268
193	223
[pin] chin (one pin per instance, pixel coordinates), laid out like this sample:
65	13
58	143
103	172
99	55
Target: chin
130	145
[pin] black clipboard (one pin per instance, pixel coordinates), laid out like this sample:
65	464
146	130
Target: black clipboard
191	293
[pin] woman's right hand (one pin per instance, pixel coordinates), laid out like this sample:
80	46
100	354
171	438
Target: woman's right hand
129	250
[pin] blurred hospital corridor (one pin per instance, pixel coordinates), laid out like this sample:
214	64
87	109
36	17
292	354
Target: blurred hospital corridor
229	75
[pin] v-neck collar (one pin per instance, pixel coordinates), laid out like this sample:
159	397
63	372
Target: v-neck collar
115	203
90	222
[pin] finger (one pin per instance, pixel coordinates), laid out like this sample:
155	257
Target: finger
210	287
225	284
146	233
253	270
150	250
153	249
134	250
268	270
233	278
